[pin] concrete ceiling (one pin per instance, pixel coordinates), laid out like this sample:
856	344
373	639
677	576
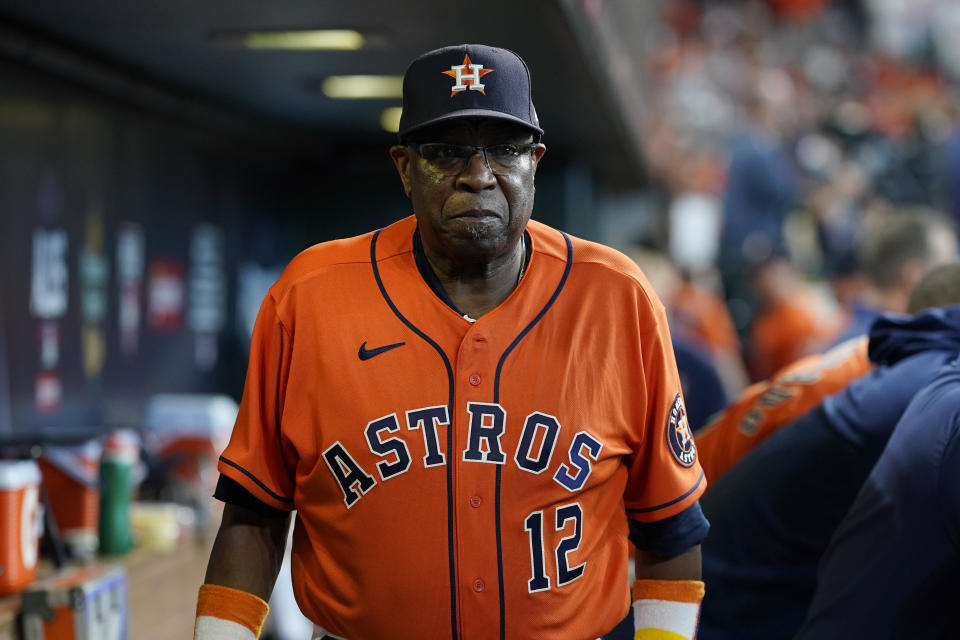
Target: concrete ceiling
169	43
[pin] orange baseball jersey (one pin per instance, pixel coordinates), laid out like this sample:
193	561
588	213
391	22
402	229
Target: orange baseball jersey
704	314
784	332
766	406
459	479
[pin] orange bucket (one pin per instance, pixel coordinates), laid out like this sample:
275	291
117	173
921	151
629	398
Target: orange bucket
71	476
21	524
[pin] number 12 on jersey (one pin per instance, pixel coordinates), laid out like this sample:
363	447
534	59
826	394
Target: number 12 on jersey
533	525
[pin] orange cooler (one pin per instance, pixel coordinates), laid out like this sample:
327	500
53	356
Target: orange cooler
191	429
72	476
21	524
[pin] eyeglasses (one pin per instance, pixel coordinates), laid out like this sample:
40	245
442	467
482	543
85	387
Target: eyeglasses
452	159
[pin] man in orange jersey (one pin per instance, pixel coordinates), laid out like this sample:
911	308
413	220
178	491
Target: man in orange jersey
472	413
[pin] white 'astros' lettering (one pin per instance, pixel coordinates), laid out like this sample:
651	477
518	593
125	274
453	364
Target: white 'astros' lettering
487	424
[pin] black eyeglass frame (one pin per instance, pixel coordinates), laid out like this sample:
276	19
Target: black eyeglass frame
524	148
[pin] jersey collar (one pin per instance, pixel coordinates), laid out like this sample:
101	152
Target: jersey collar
430	277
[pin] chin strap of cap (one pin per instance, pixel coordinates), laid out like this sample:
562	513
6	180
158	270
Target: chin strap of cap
228	614
666	609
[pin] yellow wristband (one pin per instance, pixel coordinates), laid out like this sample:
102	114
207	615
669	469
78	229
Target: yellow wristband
666	609
224	613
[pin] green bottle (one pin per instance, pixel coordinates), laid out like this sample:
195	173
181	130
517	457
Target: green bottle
120	454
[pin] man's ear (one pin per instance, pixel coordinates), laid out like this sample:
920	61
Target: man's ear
538	152
402	161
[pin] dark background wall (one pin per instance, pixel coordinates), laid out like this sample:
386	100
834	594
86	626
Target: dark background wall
79	170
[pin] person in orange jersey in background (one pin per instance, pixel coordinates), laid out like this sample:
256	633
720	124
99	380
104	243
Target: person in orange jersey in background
705	342
707	349
693	306
770	404
696	311
705	315
793	318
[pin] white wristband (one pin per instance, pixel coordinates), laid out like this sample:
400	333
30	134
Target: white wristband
210	628
666	609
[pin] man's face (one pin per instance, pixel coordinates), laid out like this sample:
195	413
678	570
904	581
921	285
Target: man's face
474	215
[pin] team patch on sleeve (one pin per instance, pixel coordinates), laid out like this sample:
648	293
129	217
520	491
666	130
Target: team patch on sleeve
679	436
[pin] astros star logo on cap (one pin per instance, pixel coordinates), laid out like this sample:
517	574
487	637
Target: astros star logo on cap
470	80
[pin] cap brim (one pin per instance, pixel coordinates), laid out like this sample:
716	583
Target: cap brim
472	113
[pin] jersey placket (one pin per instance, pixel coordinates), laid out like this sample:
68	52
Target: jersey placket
478	427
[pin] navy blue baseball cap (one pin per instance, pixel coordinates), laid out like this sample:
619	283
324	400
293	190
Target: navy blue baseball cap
467	81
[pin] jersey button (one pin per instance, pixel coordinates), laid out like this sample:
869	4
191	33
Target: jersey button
474	379
475	501
479	585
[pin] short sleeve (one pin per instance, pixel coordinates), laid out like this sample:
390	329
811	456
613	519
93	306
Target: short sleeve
231	492
664	475
256	457
672	535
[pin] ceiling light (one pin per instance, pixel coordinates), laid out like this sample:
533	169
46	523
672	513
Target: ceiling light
390	119
306	40
363	87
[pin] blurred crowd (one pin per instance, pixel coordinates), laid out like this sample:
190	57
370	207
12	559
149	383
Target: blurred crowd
784	139
806	160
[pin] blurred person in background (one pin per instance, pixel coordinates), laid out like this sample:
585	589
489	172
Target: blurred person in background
892	259
773	512
863	78
767	405
841	204
699	313
892	567
700	379
705	341
793	318
951	177
760	187
940	286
